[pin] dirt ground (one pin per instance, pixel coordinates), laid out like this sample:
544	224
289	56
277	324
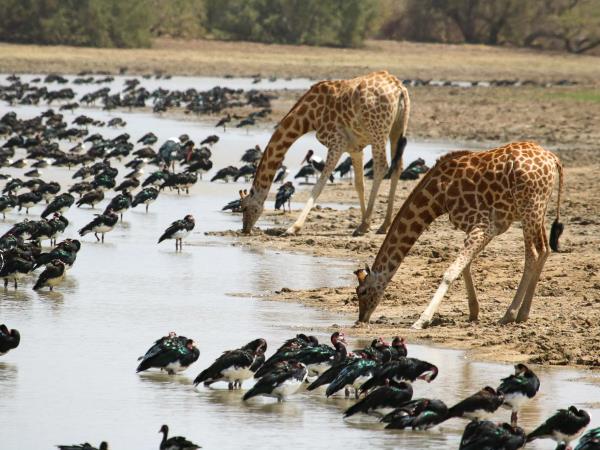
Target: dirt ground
563	328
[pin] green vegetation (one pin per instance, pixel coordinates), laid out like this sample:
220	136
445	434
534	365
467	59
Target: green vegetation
570	25
579	95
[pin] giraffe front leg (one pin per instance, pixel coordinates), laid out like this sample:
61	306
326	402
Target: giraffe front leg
477	239
333	155
395	176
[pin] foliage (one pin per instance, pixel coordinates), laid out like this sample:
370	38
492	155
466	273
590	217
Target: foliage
312	22
573	25
101	23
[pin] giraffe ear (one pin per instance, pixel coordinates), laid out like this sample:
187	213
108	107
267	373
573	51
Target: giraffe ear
362	275
367	269
243	193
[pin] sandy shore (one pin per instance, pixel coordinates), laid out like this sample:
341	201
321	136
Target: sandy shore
563	327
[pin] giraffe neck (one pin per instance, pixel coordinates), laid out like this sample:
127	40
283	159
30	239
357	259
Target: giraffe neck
291	127
420	209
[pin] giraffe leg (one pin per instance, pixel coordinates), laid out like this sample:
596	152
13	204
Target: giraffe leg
359	180
393	185
333	155
530	263
379	170
543	251
476	241
473	303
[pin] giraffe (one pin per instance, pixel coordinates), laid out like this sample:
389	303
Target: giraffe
483	193
347	115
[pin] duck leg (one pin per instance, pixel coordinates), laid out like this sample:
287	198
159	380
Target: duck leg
15	284
230	386
146	208
103	238
97	238
514	418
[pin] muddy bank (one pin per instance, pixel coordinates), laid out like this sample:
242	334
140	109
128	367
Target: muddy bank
563	327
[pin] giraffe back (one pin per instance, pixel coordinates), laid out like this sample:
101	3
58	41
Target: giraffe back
503	184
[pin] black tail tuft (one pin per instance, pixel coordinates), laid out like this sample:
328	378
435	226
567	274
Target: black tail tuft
398	155
555	232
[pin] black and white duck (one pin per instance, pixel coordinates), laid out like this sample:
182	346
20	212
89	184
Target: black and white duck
317	358
590	440
148	139
418	414
60	204
15	267
480	405
85	446
66	251
235	366
284	195
175	442
49	190
281	382
401	369
145	196
236	205
564	426
128	185
344	167
178	230
102	223
119	204
28	200
518	389
225	174
91	198
486	435
281	174
315	161
210	140
9	339
170	353
383	400
52	275
7	204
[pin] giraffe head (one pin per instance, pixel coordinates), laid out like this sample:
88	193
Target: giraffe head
369	293
252	208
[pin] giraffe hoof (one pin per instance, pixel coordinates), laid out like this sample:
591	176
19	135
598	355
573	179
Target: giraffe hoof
382	229
507	319
420	324
361	230
292	231
521	318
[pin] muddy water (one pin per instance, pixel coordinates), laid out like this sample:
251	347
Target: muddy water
73	377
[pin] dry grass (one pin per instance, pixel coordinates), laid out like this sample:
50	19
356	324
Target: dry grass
406	60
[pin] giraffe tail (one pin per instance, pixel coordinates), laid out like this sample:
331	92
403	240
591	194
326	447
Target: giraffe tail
398	134
557	227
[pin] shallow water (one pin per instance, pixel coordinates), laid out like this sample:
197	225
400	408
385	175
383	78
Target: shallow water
73	377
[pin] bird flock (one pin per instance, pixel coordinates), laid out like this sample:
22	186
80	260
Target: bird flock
380	377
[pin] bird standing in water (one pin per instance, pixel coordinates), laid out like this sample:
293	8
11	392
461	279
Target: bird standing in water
284	195
179	230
